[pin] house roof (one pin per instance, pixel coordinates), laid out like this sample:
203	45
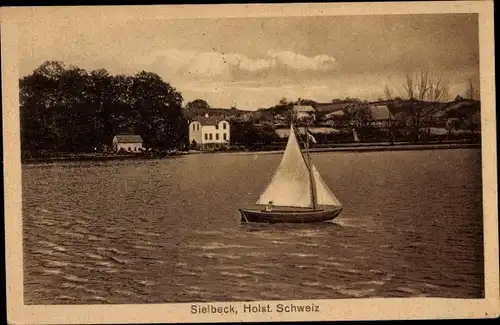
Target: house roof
336	113
126	138
332	107
211	120
303	108
381	112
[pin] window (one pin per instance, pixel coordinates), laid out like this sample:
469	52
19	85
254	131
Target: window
225	135
194	127
216	126
197	127
224	126
206	136
217	136
210	136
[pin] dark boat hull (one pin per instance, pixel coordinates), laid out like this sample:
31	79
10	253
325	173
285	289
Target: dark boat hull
305	216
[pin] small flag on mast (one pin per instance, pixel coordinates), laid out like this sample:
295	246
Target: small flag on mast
310	136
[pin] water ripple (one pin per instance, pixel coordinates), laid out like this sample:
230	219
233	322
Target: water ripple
168	231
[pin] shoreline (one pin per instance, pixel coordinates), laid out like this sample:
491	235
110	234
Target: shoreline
94	158
378	147
359	149
374	148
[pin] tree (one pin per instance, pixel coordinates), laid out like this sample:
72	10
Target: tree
158	108
424	93
251	136
198	104
67	109
359	116
283	101
194	145
452	124
473	122
422	86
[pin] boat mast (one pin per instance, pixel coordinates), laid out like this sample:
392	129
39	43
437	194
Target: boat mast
311	176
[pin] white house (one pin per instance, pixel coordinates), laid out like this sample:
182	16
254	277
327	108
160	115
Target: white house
304	111
209	132
128	143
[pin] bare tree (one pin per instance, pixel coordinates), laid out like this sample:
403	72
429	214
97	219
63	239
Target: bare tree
422	86
438	91
388	92
409	86
429	91
470	91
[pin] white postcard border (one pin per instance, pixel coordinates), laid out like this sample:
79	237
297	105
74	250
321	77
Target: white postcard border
335	309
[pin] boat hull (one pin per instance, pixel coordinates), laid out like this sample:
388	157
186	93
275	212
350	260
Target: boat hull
307	216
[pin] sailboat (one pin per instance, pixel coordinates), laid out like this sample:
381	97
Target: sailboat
296	192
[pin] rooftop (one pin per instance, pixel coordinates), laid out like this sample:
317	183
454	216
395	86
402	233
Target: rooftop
332	107
381	112
303	108
211	120
128	138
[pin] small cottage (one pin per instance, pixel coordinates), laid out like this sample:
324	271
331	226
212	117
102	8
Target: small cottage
128	143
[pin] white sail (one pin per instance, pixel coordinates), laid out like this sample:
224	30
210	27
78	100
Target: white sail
290	185
324	195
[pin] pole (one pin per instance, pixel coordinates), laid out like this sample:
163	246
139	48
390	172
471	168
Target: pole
311	176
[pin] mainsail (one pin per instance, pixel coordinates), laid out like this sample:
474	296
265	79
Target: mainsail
291	184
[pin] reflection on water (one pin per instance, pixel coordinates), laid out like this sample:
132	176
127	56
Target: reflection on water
169	231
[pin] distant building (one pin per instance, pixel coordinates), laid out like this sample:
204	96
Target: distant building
128	143
284	132
382	116
209	132
304	111
335	114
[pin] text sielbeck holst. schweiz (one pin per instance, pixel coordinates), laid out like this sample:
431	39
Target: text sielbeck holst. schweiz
253	308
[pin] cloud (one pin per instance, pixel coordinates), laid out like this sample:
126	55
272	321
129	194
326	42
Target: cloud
301	62
246	96
208	65
213	65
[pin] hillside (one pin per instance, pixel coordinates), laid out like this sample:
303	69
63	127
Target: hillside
463	109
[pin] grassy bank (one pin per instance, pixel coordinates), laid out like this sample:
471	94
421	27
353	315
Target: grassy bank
360	148
344	147
92	157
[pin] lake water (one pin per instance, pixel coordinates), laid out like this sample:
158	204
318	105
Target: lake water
157	231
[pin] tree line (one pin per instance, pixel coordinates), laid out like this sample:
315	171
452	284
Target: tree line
68	109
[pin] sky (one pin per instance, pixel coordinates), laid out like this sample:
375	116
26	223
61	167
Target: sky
251	63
